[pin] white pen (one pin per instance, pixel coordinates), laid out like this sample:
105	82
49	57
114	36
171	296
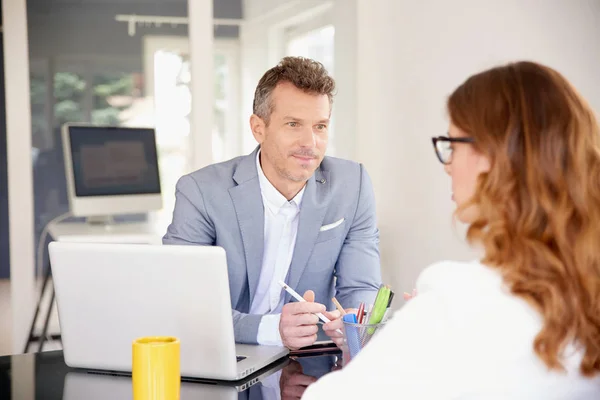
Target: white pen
301	299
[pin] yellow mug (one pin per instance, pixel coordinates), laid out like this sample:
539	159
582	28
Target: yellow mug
156	368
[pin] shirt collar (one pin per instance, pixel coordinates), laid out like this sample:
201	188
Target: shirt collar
270	194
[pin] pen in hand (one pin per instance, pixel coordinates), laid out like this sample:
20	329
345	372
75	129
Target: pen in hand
296	296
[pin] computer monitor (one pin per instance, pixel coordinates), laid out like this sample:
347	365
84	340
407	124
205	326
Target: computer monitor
111	170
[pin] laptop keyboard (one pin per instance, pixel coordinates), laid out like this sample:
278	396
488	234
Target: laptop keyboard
240	358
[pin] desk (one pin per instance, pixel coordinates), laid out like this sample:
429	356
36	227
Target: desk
45	376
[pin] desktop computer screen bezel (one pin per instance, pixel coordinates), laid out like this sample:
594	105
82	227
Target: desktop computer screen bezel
105	205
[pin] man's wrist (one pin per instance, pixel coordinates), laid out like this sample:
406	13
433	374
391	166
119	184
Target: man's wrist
268	330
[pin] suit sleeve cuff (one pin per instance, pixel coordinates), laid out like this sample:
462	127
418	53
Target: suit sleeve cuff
268	330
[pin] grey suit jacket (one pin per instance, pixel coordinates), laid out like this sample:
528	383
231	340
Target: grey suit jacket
221	205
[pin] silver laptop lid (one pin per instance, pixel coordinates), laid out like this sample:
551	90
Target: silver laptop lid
110	294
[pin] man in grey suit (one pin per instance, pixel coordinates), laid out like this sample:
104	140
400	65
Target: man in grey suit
286	212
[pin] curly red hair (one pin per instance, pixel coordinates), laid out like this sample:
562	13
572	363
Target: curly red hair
539	205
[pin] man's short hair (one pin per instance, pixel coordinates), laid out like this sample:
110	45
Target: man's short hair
305	74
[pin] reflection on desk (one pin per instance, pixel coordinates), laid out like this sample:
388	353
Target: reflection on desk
45	376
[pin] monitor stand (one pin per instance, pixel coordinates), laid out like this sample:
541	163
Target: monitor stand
106	230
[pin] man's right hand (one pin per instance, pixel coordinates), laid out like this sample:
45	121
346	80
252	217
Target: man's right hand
298	324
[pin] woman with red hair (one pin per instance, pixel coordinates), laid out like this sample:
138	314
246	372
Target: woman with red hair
523	153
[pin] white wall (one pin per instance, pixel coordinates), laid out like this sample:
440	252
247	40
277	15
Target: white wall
411	55
346	56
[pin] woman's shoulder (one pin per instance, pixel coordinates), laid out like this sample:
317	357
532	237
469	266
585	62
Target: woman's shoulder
459	275
471	291
479	307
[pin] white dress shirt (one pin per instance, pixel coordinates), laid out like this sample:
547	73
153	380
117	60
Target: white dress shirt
464	336
281	229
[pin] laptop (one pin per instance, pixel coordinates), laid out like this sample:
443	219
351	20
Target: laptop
110	294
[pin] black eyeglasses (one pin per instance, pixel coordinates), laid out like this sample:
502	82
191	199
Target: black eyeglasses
443	146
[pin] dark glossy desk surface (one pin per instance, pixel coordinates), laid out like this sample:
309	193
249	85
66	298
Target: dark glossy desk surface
45	376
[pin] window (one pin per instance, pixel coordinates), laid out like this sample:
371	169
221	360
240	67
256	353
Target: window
168	88
227	139
316	44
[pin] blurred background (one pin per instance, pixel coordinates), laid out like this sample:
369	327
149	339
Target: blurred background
188	68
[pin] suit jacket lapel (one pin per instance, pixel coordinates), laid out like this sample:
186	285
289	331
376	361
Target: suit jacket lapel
312	213
248	204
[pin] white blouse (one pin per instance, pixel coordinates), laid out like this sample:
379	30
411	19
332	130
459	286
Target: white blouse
464	336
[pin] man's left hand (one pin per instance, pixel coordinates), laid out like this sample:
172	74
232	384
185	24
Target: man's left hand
330	328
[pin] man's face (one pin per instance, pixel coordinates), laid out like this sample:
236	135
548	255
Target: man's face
293	144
